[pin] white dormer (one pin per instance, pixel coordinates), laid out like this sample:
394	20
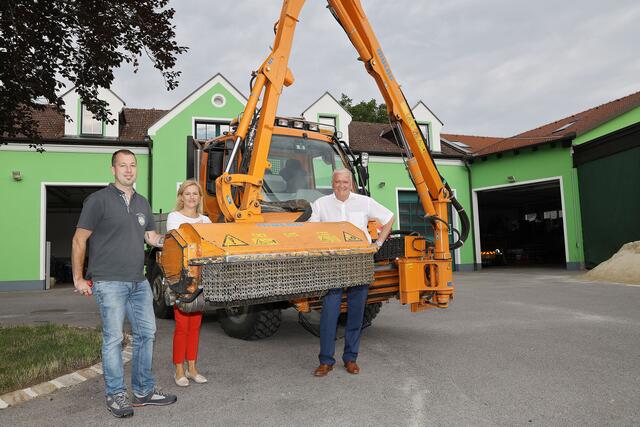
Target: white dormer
83	123
429	124
328	110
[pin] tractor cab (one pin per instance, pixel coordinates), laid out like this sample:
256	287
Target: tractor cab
302	157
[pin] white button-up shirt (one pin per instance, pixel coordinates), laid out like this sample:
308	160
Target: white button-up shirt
357	210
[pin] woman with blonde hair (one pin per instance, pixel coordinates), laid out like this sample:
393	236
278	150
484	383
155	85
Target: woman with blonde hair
187	331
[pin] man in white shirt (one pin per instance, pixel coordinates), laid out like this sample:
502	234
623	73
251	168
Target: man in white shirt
343	205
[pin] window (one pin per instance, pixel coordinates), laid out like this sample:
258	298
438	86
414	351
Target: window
300	169
210	130
89	124
218	100
330	122
412	217
424	128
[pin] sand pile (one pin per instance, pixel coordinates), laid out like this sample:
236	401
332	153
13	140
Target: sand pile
622	267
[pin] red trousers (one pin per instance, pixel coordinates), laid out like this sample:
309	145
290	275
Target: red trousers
186	335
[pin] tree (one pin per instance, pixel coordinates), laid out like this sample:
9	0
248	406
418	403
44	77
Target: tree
44	42
363	111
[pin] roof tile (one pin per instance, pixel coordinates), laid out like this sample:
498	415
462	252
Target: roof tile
568	127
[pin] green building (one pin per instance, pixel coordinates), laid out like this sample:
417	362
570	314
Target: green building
532	199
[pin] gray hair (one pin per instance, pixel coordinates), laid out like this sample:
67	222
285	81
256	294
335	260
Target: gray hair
342	171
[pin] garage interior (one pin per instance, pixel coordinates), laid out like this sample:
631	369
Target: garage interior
64	204
522	225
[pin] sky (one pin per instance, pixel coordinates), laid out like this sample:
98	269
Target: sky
491	68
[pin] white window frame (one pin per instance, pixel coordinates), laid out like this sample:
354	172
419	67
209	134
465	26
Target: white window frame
94	121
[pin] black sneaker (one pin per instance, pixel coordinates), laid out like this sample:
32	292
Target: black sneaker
154	398
118	404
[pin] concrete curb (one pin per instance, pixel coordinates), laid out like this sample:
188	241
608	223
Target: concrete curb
15	397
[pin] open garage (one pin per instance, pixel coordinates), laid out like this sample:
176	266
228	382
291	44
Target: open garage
63	207
522	225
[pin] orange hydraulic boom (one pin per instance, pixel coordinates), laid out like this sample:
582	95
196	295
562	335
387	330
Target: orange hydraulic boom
260	255
270	79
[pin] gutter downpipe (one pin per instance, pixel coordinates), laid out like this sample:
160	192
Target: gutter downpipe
149	142
465	160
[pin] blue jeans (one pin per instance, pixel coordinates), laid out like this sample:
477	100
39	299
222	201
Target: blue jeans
115	299
356	301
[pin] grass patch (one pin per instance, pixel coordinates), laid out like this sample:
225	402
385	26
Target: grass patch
33	354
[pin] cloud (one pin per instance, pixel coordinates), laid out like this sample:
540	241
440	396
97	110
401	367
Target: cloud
492	68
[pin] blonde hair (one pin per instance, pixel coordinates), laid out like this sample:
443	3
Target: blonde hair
183	187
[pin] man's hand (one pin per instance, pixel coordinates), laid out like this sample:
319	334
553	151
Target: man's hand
83	287
153	238
78	250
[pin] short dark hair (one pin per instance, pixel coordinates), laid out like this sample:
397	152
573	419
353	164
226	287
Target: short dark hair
123	151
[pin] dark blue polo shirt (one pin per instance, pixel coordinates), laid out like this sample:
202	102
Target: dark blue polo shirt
116	244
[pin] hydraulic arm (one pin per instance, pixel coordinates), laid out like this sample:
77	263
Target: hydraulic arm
270	79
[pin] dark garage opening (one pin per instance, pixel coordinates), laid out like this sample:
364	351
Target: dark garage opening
522	225
64	204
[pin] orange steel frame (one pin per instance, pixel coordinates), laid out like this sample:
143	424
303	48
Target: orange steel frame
418	273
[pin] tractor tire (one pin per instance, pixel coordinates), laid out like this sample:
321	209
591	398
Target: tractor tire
370	312
250	323
160	307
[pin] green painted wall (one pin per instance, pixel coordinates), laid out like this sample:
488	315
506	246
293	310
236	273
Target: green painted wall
395	177
624	120
170	144
20	217
531	165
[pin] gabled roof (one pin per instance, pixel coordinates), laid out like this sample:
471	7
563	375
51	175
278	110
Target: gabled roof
133	122
186	101
377	138
567	128
112	93
322	96
474	142
50	122
425	106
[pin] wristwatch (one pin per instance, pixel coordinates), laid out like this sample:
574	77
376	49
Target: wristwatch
379	243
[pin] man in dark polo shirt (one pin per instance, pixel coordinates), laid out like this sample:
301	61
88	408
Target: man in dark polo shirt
116	221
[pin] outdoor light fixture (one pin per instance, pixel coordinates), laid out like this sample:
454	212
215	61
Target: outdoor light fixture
511	179
17	175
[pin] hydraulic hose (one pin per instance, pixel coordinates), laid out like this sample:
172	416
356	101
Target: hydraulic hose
464	219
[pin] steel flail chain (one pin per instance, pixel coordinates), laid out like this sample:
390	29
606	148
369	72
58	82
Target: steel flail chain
258	281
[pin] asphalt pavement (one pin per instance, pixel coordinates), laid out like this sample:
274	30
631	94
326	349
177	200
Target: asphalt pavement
516	347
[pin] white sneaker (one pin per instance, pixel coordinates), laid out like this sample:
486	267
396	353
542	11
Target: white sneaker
181	382
198	378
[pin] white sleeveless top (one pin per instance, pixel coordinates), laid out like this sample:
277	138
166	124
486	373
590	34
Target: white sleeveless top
175	219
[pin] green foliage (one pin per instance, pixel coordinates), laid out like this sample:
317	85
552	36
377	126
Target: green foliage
363	111
34	354
44	42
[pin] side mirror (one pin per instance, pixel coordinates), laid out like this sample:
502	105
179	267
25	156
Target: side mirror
363	170
364	159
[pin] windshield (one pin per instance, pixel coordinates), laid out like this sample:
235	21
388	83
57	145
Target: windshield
301	168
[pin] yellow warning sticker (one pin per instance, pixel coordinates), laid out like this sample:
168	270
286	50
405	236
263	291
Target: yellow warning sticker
348	237
264	241
323	236
230	240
